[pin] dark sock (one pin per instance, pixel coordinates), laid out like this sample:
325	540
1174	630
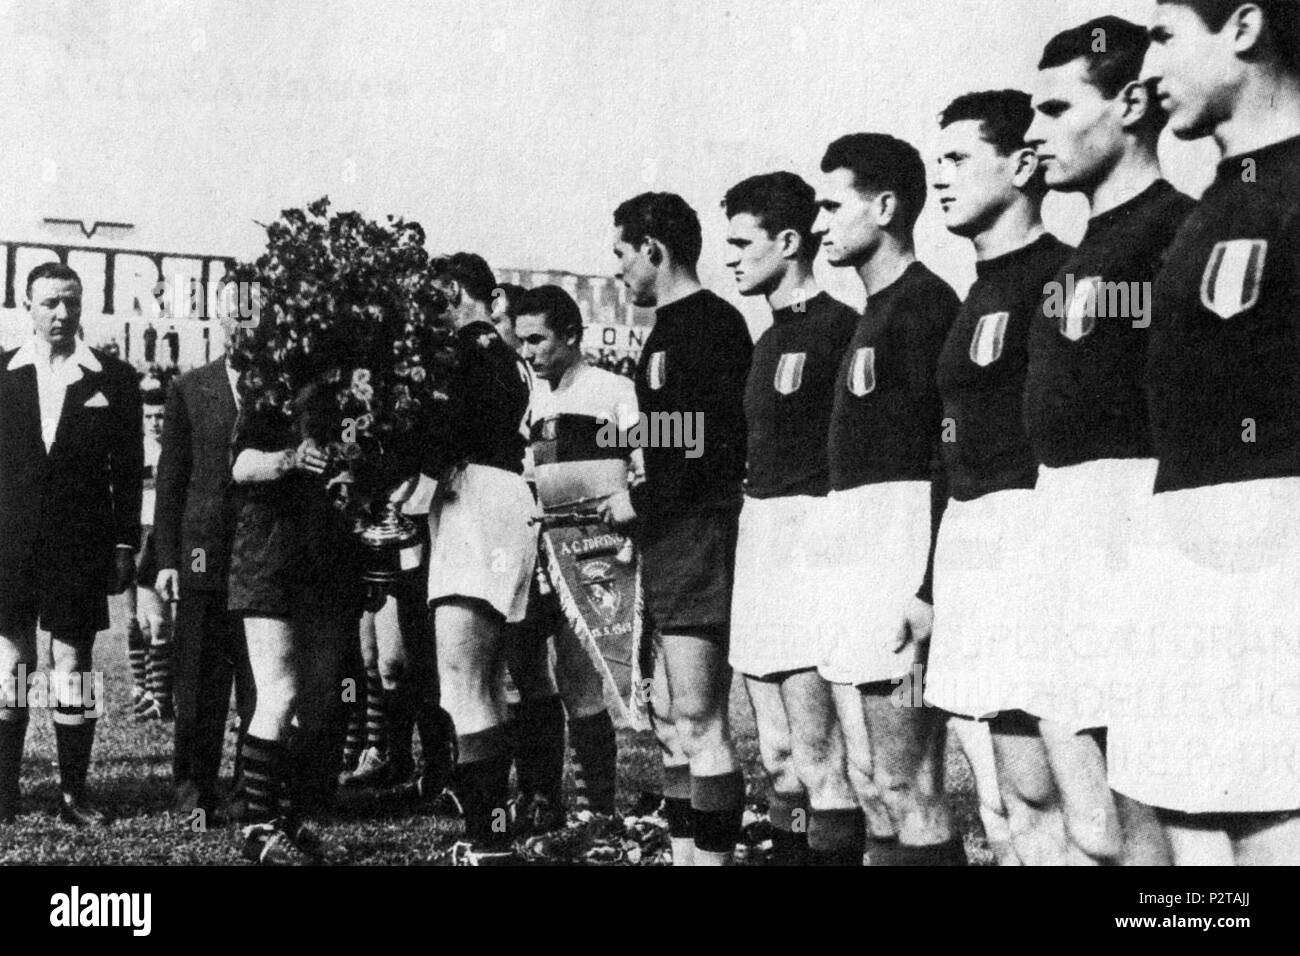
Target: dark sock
263	782
539	747
949	853
595	762
717	806
880	850
12	735
836	837
401	731
137	649
677	802
483	786
74	737
160	674
376	722
512	730
437	744
789	819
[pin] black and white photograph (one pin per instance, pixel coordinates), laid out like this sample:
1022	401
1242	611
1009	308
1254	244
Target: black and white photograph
813	433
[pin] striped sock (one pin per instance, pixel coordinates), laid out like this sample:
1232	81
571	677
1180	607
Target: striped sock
138	653
264	765
677	811
355	740
595	762
160	674
376	715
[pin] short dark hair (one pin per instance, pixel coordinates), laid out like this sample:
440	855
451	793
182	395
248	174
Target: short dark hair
51	270
153	396
666	217
882	163
1004	117
1117	64
562	315
470	270
1281	16
778	201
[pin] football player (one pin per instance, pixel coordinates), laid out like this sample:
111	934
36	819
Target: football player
1095	130
781	562
1213	744
693	365
882	445
990	189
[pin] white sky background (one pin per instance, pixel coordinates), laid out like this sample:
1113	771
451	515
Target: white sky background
508	128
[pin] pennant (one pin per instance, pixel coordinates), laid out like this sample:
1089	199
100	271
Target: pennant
596	574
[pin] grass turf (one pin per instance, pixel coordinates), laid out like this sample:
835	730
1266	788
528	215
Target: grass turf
131	778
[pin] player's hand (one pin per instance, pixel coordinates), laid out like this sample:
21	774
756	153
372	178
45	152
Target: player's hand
402	493
308	457
123	575
916	626
617	509
168	584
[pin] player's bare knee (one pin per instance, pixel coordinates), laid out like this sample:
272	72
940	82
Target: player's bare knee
698	733
1094	833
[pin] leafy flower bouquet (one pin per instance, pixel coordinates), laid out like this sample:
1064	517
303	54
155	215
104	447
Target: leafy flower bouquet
349	351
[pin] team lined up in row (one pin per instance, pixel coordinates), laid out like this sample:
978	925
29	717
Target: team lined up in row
1109	588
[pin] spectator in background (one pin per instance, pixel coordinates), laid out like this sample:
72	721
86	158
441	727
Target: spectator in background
149	625
150	344
173	339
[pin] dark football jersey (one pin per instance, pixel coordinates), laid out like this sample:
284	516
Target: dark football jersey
982	372
1224	362
695	361
887	410
789	395
1085	396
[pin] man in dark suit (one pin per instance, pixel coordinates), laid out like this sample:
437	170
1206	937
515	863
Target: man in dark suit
70	485
193	524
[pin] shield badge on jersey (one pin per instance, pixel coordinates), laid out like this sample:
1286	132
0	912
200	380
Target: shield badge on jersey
1233	276
1081	311
656	370
789	372
550	429
986	343
862	372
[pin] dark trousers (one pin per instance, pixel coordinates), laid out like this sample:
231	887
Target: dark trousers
209	654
